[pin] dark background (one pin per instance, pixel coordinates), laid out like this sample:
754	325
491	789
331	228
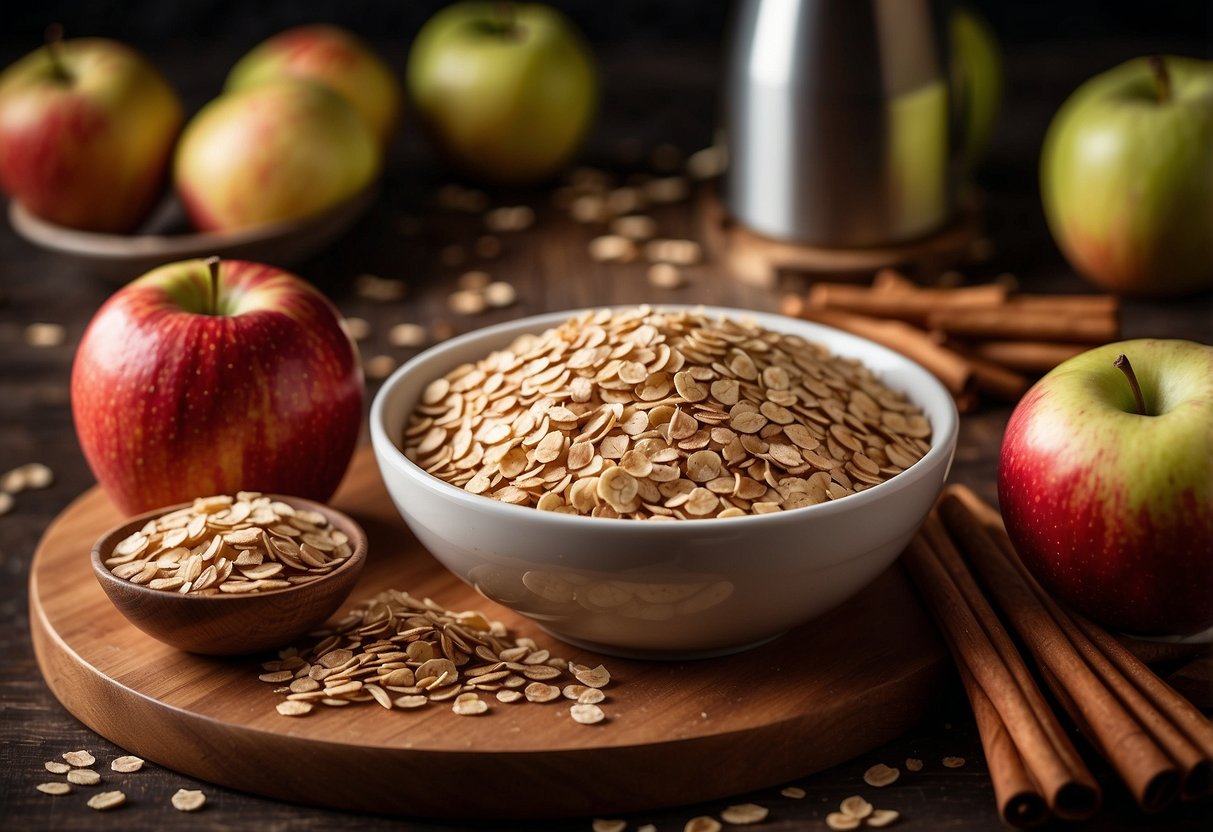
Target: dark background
150	22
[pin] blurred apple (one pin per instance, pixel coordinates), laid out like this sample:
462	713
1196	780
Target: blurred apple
977	81
86	133
208	378
334	57
282	150
506	92
1126	175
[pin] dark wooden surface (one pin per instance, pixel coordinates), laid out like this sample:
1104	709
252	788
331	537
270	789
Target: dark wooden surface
651	96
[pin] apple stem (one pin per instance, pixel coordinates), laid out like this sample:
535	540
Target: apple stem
54	49
1162	78
1122	363
212	306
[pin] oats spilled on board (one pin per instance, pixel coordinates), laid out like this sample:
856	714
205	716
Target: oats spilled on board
401	652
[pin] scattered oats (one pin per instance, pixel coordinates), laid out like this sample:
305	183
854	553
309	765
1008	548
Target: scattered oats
357	328
591	696
794	792
500	294
106	800
837	820
880	775
587	714
83	777
379	367
601	825
294	707
589	208
678	252
744	814
6	503
45	335
55	767
666	276
37	476
599	677
913	764
856	807
953	762
55	788
510	218
188	800
469	704
612	248
126	764
465	302
508	696
406	335
667	189
882	817
79	759
634	227
411	701
380	289
473	280
703	823
707	163
539	692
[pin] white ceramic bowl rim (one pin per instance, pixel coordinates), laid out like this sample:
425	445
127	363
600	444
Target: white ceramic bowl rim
501	334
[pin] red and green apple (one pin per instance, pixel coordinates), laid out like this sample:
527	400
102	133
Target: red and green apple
1105	482
208	377
282	150
506	92
1126	175
87	128
334	57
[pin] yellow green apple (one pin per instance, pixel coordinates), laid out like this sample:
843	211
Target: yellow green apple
1126	175
506	92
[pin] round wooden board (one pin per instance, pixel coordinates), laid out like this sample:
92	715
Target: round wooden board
676	732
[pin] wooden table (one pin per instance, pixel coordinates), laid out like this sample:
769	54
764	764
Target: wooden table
649	98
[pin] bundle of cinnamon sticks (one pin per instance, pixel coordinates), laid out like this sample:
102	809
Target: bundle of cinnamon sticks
1159	745
977	339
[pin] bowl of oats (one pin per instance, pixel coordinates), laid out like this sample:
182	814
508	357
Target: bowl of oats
231	574
664	482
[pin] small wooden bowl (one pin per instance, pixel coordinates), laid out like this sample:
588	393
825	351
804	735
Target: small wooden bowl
231	625
166	238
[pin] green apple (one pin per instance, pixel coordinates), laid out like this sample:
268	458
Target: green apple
1106	484
282	150
87	128
334	57
977	81
506	92
1126	176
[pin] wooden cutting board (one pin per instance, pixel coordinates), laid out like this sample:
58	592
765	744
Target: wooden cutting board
676	732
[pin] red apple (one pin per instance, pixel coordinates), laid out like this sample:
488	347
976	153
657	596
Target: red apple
282	150
1107	496
334	57
202	379
86	131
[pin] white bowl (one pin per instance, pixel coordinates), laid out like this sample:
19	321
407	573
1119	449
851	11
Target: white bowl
679	589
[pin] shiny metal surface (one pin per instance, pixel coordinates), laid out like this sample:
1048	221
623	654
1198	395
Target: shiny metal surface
837	120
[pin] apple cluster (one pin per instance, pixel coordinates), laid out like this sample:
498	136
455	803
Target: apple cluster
91	132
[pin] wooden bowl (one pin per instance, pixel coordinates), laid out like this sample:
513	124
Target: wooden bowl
230	625
165	239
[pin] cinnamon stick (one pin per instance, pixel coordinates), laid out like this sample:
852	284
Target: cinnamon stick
1064	782
913	304
1025	356
1010	322
1141	762
992	378
1179	727
947	365
1104	305
1016	793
